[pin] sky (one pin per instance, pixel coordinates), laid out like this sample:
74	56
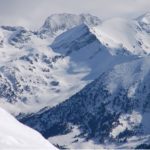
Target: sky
32	13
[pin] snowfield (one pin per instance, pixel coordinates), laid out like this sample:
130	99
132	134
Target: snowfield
14	135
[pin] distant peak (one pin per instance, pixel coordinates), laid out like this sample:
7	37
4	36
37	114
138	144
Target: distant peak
145	18
144	21
66	21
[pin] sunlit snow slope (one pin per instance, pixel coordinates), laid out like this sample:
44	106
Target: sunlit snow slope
14	135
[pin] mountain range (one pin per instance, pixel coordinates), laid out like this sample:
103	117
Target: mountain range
80	81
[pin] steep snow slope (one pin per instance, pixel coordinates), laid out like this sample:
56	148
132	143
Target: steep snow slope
14	135
124	33
112	111
87	53
58	23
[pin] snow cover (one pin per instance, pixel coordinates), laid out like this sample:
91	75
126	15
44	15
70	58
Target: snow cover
124	33
87	54
16	66
127	121
72	141
14	135
33	73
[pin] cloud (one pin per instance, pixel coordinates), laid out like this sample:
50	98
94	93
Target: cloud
32	13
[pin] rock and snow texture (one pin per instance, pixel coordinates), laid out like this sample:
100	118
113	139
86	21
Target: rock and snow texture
86	52
14	135
32	74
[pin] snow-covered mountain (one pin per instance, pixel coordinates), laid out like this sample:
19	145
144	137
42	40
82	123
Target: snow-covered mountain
63	56
35	71
14	135
113	111
43	68
144	21
58	23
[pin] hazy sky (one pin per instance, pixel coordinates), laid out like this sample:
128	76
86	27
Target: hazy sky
32	13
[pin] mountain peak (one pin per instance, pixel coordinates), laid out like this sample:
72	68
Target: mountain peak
144	21
66	21
145	18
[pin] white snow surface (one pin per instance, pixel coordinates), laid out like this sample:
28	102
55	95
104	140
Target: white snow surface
127	121
73	141
14	135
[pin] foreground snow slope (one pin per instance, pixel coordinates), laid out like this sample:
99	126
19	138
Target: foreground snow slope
87	53
14	135
113	110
